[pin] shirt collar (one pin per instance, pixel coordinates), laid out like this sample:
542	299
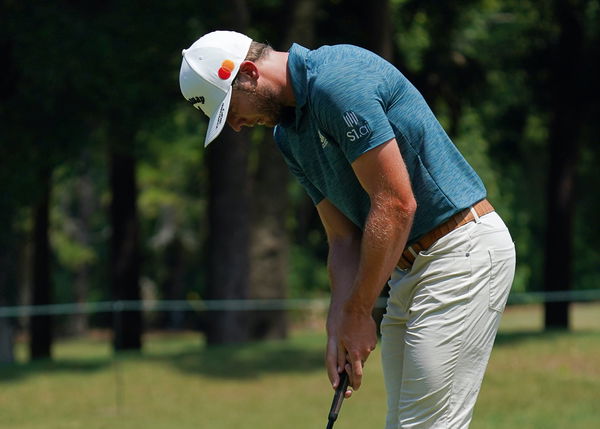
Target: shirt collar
298	70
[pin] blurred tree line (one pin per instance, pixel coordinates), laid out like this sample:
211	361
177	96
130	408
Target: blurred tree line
107	194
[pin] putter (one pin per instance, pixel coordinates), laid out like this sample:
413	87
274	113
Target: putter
338	397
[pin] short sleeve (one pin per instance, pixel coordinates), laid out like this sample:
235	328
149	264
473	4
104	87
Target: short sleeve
315	195
349	107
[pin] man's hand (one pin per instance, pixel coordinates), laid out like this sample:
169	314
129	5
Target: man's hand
331	364
331	354
356	339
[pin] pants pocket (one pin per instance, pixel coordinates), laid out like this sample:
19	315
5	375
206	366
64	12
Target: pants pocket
502	272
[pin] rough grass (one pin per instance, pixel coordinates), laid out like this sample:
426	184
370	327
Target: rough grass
534	380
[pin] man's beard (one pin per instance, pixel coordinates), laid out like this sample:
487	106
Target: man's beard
266	104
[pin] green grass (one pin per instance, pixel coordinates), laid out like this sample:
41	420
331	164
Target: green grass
534	380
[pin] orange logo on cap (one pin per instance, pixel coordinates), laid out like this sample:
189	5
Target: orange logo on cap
227	67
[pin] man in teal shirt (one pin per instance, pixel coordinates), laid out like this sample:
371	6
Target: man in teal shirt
398	202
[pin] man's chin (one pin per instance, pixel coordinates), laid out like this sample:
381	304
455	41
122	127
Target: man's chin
270	123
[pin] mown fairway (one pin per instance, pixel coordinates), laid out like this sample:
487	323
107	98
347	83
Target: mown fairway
534	380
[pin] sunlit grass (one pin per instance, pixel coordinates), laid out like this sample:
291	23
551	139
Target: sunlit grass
534	380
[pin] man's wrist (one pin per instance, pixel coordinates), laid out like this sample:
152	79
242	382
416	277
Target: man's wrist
333	319
358	306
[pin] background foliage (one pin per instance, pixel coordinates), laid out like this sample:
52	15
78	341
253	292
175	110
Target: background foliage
82	79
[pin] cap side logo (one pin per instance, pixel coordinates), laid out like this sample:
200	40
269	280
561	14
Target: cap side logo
220	117
227	67
196	100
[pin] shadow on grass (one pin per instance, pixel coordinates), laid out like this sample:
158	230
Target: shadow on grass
230	362
509	338
17	371
241	361
246	361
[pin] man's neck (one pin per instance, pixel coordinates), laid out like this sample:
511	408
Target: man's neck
275	70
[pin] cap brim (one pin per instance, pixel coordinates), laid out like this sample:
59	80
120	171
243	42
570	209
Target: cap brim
218	119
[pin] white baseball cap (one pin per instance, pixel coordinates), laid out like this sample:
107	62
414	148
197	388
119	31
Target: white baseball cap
207	71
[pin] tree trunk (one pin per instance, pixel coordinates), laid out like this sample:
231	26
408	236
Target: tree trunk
270	244
7	341
229	216
7	297
564	151
8	283
8	263
228	242
379	33
41	326
299	25
125	254
269	248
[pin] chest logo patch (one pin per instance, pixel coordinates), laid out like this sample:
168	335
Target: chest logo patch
358	126
324	141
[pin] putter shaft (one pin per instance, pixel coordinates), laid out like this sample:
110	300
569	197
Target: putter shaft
338	398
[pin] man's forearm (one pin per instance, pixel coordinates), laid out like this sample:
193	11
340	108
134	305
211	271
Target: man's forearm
385	234
342	265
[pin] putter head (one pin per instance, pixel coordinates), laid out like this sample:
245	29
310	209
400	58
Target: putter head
338	398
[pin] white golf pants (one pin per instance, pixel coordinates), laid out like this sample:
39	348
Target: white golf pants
441	320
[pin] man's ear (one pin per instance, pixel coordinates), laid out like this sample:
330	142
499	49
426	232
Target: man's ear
249	69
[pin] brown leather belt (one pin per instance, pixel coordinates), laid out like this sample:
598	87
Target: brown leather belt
461	218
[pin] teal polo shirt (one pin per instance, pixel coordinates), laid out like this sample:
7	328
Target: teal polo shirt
348	101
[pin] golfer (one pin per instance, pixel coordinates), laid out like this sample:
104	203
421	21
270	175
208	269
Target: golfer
398	203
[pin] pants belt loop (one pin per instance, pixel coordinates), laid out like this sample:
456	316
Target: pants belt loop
412	251
475	215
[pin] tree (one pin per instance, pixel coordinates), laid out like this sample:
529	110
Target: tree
228	248
568	90
7	292
130	84
41	325
35	143
8	281
125	252
270	246
229	217
8	193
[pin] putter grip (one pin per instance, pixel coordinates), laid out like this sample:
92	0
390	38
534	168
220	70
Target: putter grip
338	397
